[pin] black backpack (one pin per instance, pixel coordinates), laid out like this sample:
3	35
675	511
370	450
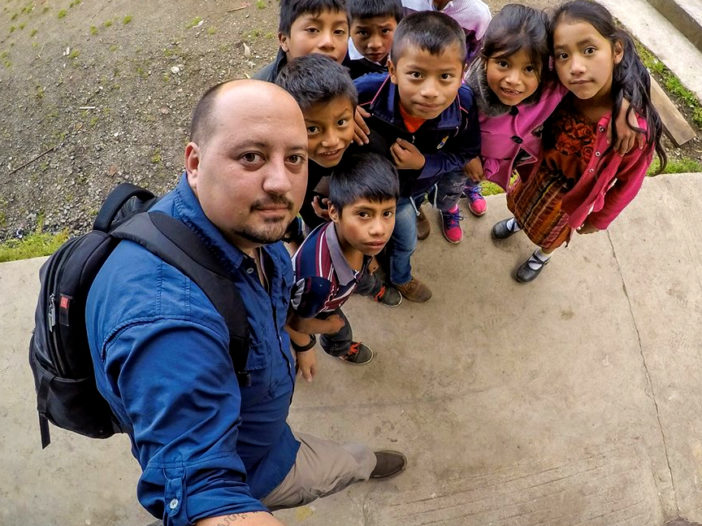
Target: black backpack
58	351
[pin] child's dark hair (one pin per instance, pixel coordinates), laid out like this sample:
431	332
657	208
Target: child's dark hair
363	176
518	27
430	31
630	77
360	9
316	78
291	10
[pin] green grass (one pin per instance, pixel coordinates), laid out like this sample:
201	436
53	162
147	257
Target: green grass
127	19
676	166
261	4
62	13
194	22
34	245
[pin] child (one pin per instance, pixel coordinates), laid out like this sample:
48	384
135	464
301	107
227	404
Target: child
474	17
516	93
423	119
363	193
373	24
582	183
327	97
309	26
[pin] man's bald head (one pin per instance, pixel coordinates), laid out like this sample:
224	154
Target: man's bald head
251	92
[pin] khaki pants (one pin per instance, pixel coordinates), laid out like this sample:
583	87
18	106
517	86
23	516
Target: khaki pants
322	467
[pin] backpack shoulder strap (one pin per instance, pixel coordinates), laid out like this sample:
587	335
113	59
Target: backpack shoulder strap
114	201
175	243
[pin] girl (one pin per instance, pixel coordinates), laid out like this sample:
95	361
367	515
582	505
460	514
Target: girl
515	93
582	183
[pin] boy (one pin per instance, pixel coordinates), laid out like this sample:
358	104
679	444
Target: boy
373	24
424	120
363	193
309	26
474	17
328	99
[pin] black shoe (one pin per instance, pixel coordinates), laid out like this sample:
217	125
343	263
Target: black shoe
388	464
358	354
500	230
530	269
389	296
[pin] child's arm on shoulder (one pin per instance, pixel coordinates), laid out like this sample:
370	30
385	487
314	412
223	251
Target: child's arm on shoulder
627	137
474	170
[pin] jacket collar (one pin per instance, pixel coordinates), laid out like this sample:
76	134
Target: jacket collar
384	106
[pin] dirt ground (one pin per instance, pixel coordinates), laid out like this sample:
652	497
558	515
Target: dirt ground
96	93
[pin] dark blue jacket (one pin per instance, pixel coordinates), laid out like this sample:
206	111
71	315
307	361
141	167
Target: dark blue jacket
447	142
206	446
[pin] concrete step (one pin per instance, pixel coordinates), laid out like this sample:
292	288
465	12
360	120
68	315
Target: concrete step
662	37
685	15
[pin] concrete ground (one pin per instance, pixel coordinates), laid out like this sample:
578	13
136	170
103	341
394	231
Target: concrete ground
573	400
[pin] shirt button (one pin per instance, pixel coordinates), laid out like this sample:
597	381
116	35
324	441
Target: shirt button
249	270
173	504
601	128
517	139
592	169
597	154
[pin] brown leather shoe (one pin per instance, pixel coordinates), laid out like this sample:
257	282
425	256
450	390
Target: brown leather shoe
423	226
388	464
414	290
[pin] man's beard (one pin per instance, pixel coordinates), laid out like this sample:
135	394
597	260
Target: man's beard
269	233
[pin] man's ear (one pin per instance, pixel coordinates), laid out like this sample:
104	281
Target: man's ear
393	71
192	163
283	42
618	51
333	213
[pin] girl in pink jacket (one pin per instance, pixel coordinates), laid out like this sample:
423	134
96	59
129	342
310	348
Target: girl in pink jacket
581	182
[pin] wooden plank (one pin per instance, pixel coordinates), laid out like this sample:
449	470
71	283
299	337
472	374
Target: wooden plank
674	123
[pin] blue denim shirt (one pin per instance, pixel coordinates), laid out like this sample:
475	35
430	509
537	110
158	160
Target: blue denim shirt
206	446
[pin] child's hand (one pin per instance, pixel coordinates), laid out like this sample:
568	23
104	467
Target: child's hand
474	170
333	324
587	228
361	131
321	207
406	155
626	137
306	364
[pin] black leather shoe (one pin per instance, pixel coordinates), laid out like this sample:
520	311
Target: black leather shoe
500	230
525	273
388	464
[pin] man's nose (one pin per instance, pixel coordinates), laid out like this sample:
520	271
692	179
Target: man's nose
277	178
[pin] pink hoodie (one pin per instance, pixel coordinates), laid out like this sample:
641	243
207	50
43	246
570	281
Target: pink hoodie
503	136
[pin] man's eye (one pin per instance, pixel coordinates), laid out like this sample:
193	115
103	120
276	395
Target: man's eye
362	33
296	159
364	215
251	157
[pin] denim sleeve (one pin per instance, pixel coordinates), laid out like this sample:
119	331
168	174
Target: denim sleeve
181	398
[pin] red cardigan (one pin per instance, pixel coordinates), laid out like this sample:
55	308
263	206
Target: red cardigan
609	182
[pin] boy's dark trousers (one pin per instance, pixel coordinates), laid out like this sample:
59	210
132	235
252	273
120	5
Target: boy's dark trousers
336	344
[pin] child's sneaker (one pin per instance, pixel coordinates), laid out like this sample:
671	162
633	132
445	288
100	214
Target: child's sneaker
451	225
358	354
414	290
423	226
388	296
476	202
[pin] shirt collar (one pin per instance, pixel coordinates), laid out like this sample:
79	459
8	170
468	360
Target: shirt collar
343	270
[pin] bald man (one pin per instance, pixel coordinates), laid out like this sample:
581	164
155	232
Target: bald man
213	452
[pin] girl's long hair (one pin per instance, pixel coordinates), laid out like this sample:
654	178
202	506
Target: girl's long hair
630	77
